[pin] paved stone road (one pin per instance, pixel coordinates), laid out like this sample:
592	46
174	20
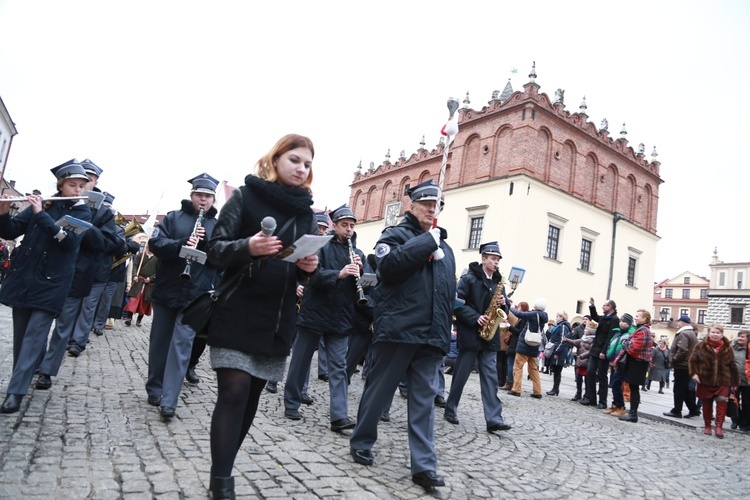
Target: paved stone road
93	436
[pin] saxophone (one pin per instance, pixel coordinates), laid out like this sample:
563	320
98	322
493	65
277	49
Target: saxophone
496	315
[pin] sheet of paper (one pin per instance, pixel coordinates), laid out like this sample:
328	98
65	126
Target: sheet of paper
368	279
72	225
307	245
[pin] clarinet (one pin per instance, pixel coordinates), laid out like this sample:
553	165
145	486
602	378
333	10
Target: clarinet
361	299
198	223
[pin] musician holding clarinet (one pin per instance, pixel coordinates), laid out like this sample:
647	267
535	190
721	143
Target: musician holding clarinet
171	341
41	274
415	297
327	311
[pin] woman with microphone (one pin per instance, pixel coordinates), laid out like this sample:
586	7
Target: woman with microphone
252	326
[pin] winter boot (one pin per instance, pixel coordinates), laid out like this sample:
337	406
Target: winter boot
631	416
707	416
222	488
721	413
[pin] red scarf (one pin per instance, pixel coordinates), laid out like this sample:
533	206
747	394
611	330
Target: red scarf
716	344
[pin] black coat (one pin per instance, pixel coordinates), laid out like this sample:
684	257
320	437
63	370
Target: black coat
166	242
416	294
260	316
476	290
114	245
92	245
603	331
42	271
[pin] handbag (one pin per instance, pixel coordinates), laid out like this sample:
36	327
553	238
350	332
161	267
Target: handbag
732	410
622	364
197	313
533	338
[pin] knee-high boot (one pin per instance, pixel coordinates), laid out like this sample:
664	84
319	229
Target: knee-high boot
721	413
708	407
222	488
556	377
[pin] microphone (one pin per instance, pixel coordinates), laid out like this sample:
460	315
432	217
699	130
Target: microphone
268	225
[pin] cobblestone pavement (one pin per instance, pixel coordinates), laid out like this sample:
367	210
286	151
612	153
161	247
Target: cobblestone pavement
93	436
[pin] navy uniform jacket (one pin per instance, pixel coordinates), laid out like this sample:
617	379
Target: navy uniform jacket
328	303
42	271
168	239
114	245
477	291
415	294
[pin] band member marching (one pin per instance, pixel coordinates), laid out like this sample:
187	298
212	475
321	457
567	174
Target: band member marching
171	341
327	311
413	311
477	322
41	274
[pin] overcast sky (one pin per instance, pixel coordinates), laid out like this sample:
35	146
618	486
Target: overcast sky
156	92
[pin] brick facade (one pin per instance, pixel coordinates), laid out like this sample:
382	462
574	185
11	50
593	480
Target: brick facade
525	134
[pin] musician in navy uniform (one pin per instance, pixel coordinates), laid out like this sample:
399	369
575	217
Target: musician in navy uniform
170	342
327	311
114	245
477	288
413	311
41	273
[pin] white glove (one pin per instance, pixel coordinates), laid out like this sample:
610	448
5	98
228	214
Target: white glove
437	254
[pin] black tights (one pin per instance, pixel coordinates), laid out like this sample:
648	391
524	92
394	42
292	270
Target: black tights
239	393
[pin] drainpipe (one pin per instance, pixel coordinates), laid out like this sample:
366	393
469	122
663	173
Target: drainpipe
617	217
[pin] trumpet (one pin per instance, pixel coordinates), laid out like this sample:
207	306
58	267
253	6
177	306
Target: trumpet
361	299
198	223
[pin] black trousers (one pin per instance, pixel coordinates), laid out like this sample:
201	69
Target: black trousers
682	392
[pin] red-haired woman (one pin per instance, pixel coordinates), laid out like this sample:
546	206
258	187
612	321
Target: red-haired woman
251	329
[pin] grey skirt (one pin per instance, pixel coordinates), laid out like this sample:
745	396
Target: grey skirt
263	367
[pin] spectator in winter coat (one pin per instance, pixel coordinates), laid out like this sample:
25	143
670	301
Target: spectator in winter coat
713	367
583	347
527	354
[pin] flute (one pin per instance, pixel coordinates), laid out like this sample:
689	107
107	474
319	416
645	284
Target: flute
51	198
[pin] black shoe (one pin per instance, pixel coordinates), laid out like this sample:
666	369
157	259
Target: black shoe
536	396
693	414
553	393
362	457
451	419
440	401
630	416
272	387
403	393
75	350
44	382
154	400
292	414
516	394
428	480
577	397
585	402
498	427
323	377
734	425
307	400
449	371
342	424
661	392
192	377
11	404
672	414
98	332
166	413
386	417
128	322
221	487
601	406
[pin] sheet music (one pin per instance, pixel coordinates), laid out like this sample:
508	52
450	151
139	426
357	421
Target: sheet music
308	244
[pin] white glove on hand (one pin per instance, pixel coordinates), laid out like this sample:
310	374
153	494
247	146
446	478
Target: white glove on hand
437	254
